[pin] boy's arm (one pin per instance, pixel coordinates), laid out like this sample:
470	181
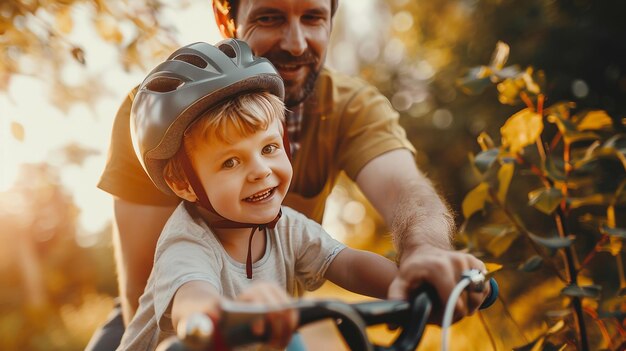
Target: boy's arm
201	297
195	297
362	272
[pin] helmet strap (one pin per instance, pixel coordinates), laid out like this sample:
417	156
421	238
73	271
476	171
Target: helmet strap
286	142
202	208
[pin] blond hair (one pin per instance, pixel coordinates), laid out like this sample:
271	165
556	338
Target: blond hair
241	116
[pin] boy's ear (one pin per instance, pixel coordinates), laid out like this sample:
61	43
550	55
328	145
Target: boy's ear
182	189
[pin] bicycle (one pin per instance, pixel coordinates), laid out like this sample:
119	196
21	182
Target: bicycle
234	327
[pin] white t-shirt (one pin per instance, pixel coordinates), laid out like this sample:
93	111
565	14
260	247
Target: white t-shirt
298	252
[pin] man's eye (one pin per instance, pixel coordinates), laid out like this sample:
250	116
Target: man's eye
314	19
268	20
268	149
230	163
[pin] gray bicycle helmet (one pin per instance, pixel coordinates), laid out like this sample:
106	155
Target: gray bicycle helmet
192	80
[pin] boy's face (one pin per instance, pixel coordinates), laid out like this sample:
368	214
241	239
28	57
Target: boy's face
292	34
247	180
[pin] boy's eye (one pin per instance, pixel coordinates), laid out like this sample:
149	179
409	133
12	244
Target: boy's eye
230	163
268	149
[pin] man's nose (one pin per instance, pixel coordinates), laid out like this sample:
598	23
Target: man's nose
294	39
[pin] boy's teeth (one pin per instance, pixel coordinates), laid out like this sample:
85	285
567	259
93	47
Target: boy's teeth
261	196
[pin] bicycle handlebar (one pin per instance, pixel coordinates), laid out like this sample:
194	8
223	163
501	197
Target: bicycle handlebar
234	328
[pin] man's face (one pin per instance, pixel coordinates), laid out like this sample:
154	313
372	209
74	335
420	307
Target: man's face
292	34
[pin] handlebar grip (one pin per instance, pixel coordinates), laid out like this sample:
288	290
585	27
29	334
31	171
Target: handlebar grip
493	294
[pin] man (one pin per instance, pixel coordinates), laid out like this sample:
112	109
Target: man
337	123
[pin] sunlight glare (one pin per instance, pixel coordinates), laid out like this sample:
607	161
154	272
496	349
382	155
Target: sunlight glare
48	130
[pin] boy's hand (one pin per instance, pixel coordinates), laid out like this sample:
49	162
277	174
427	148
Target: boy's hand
441	269
281	323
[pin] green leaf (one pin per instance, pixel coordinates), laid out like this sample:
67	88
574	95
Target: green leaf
476	80
570	132
616	142
473	86
553	171
565	126
485	159
508	72
616	232
580	136
555	242
591	200
603	152
545	200
475	200
560	109
532	264
590	291
501	243
521	129
600	153
593	120
505	174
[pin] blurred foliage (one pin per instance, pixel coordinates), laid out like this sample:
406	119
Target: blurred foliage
53	288
427	44
551	201
417	63
36	38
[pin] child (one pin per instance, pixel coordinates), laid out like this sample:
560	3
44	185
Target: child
207	125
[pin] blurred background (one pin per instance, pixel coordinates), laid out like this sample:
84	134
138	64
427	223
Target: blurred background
66	65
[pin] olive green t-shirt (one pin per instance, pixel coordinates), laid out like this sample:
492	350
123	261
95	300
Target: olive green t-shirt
346	123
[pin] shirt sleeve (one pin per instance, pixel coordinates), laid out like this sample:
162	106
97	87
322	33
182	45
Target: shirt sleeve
181	259
123	175
369	128
315	251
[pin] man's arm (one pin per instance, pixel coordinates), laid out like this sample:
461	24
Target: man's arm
362	272
422	228
135	234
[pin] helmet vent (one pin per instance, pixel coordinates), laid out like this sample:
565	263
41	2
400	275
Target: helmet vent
164	84
228	50
193	60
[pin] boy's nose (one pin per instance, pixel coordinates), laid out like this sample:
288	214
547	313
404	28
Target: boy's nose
262	171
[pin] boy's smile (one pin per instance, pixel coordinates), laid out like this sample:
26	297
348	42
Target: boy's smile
260	196
247	177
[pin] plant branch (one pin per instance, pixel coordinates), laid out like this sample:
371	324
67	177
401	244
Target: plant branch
593	252
560	217
526	233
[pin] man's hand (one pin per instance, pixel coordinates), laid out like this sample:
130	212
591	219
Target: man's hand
281	323
442	270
